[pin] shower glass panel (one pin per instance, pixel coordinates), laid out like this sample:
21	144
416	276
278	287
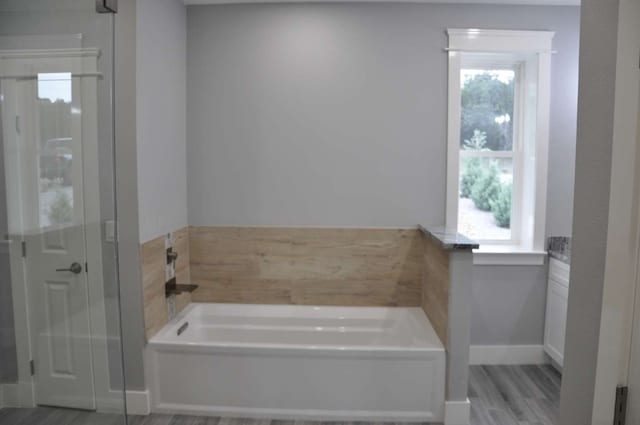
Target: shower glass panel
60	335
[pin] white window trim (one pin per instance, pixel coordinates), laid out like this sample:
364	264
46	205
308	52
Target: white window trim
533	44
509	255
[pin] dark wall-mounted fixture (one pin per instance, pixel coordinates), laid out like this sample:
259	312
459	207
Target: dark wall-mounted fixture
173	288
107	6
171	255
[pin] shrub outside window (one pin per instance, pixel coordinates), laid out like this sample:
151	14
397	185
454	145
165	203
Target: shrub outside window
487	154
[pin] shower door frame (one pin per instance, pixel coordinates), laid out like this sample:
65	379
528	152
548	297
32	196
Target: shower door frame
23	393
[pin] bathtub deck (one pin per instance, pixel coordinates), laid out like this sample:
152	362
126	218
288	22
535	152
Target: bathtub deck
500	395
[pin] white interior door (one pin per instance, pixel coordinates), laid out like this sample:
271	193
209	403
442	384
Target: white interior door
46	147
60	318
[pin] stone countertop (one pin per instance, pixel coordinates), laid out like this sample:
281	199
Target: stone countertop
560	257
449	239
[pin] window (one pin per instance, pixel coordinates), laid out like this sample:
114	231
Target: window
488	152
498	139
55	149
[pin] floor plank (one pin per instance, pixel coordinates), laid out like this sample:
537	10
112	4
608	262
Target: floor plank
500	395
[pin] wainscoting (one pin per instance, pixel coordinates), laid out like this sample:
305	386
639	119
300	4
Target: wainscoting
309	266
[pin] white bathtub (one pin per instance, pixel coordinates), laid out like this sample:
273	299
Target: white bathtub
299	362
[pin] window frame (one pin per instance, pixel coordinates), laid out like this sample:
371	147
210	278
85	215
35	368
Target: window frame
530	52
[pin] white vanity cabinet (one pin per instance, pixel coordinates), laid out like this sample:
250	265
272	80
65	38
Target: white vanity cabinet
556	315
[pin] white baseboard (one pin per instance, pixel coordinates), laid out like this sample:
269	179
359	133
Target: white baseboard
138	402
21	395
17	395
507	355
457	412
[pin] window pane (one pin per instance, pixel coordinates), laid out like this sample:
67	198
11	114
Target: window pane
487	109
484	207
55	157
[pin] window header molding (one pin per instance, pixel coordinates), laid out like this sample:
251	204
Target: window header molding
479	40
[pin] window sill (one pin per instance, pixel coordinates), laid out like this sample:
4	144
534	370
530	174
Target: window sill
507	256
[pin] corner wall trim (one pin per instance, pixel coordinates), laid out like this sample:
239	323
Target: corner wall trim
138	403
457	412
507	355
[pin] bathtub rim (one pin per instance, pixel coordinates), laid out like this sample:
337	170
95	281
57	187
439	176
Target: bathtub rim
161	343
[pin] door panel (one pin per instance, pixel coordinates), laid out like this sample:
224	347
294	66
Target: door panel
556	320
60	317
59	337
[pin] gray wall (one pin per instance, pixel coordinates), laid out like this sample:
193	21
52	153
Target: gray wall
161	116
127	190
562	141
335	115
508	305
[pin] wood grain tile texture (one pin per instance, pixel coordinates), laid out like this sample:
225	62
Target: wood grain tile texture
183	265
435	287
153	257
309	266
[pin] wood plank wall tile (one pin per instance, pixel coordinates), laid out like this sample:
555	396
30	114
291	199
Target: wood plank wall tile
435	287
153	258
269	265
183	268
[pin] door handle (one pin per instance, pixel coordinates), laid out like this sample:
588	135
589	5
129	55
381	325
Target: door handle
74	268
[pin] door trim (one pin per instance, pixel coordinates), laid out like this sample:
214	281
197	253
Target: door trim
614	342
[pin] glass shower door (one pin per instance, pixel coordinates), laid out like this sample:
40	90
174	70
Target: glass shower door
58	209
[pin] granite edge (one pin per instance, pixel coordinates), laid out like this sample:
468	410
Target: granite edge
462	243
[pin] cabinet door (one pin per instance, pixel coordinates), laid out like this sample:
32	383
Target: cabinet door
556	320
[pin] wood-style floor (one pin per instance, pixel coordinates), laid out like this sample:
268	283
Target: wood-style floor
500	395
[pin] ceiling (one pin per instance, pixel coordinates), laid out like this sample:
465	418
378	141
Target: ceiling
511	2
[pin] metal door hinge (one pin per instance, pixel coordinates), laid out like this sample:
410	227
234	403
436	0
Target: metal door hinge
86	267
24	249
32	367
17	124
620	414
